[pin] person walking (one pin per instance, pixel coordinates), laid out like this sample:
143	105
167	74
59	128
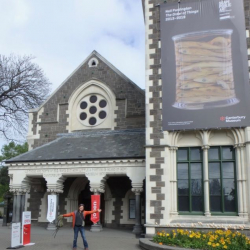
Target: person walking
78	223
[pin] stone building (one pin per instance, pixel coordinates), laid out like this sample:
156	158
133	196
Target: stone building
104	150
175	159
87	138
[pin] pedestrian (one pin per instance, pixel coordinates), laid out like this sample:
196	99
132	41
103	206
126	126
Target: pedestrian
78	223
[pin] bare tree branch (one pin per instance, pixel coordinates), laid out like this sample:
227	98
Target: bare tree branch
23	86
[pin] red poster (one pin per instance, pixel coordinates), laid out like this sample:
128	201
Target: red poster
26	221
26	234
95	204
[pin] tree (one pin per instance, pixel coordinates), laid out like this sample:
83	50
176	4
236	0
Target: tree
23	86
8	151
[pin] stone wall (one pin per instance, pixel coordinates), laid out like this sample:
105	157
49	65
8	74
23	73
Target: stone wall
157	150
53	118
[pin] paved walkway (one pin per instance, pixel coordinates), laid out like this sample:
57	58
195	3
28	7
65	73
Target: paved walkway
108	239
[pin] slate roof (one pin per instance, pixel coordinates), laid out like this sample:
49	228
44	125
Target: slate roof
105	144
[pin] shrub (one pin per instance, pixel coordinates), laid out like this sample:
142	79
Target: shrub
219	239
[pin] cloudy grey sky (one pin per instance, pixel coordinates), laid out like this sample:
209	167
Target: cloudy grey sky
62	33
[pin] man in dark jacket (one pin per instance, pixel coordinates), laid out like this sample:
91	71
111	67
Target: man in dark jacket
78	224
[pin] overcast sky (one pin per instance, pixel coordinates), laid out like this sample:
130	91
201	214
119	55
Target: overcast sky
62	33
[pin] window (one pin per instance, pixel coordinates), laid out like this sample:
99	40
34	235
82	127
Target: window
190	181
132	209
222	180
92	110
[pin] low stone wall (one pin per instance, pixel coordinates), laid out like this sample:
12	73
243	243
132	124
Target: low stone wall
147	244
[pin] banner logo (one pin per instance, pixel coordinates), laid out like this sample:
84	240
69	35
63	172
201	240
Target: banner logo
232	118
95	204
225	9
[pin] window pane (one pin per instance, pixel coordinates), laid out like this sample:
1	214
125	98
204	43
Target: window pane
197	203
183	203
182	154
195	154
132	209
227	153
230	203
213	154
183	187
182	171
215	203
215	187
196	172
196	187
214	170
228	169
229	187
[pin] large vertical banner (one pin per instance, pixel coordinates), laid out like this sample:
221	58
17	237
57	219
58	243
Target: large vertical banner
205	75
15	234
51	213
95	204
26	227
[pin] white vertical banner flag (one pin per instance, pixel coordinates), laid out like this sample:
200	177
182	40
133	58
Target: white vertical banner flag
51	214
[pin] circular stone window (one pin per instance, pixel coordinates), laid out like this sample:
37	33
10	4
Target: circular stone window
92	110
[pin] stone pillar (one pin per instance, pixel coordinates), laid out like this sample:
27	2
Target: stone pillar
7	198
206	181
173	182
18	204
239	182
137	227
54	186
244	179
97	190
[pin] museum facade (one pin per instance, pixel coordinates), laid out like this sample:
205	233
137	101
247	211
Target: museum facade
99	133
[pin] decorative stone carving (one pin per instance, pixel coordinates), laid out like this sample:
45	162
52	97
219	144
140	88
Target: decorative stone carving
137	190
19	191
97	190
55	191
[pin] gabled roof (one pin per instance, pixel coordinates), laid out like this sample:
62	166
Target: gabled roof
94	145
93	54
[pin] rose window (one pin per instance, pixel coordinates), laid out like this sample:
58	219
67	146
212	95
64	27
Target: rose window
92	110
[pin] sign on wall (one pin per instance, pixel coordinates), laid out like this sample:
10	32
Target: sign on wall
51	213
205	77
95	204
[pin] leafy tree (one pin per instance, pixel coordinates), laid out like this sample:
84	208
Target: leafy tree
23	86
8	151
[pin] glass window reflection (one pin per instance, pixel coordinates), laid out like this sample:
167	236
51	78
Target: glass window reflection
214	170
228	169
195	154
182	154
227	153
182	171
213	153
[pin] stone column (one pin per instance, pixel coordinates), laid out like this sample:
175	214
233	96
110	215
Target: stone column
54	186
244	180
137	227
18	204
7	198
97	190
173	182
206	180
239	182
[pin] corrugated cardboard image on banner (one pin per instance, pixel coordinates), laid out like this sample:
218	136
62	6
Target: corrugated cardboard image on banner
204	68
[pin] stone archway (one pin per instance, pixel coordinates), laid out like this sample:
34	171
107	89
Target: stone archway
76	188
